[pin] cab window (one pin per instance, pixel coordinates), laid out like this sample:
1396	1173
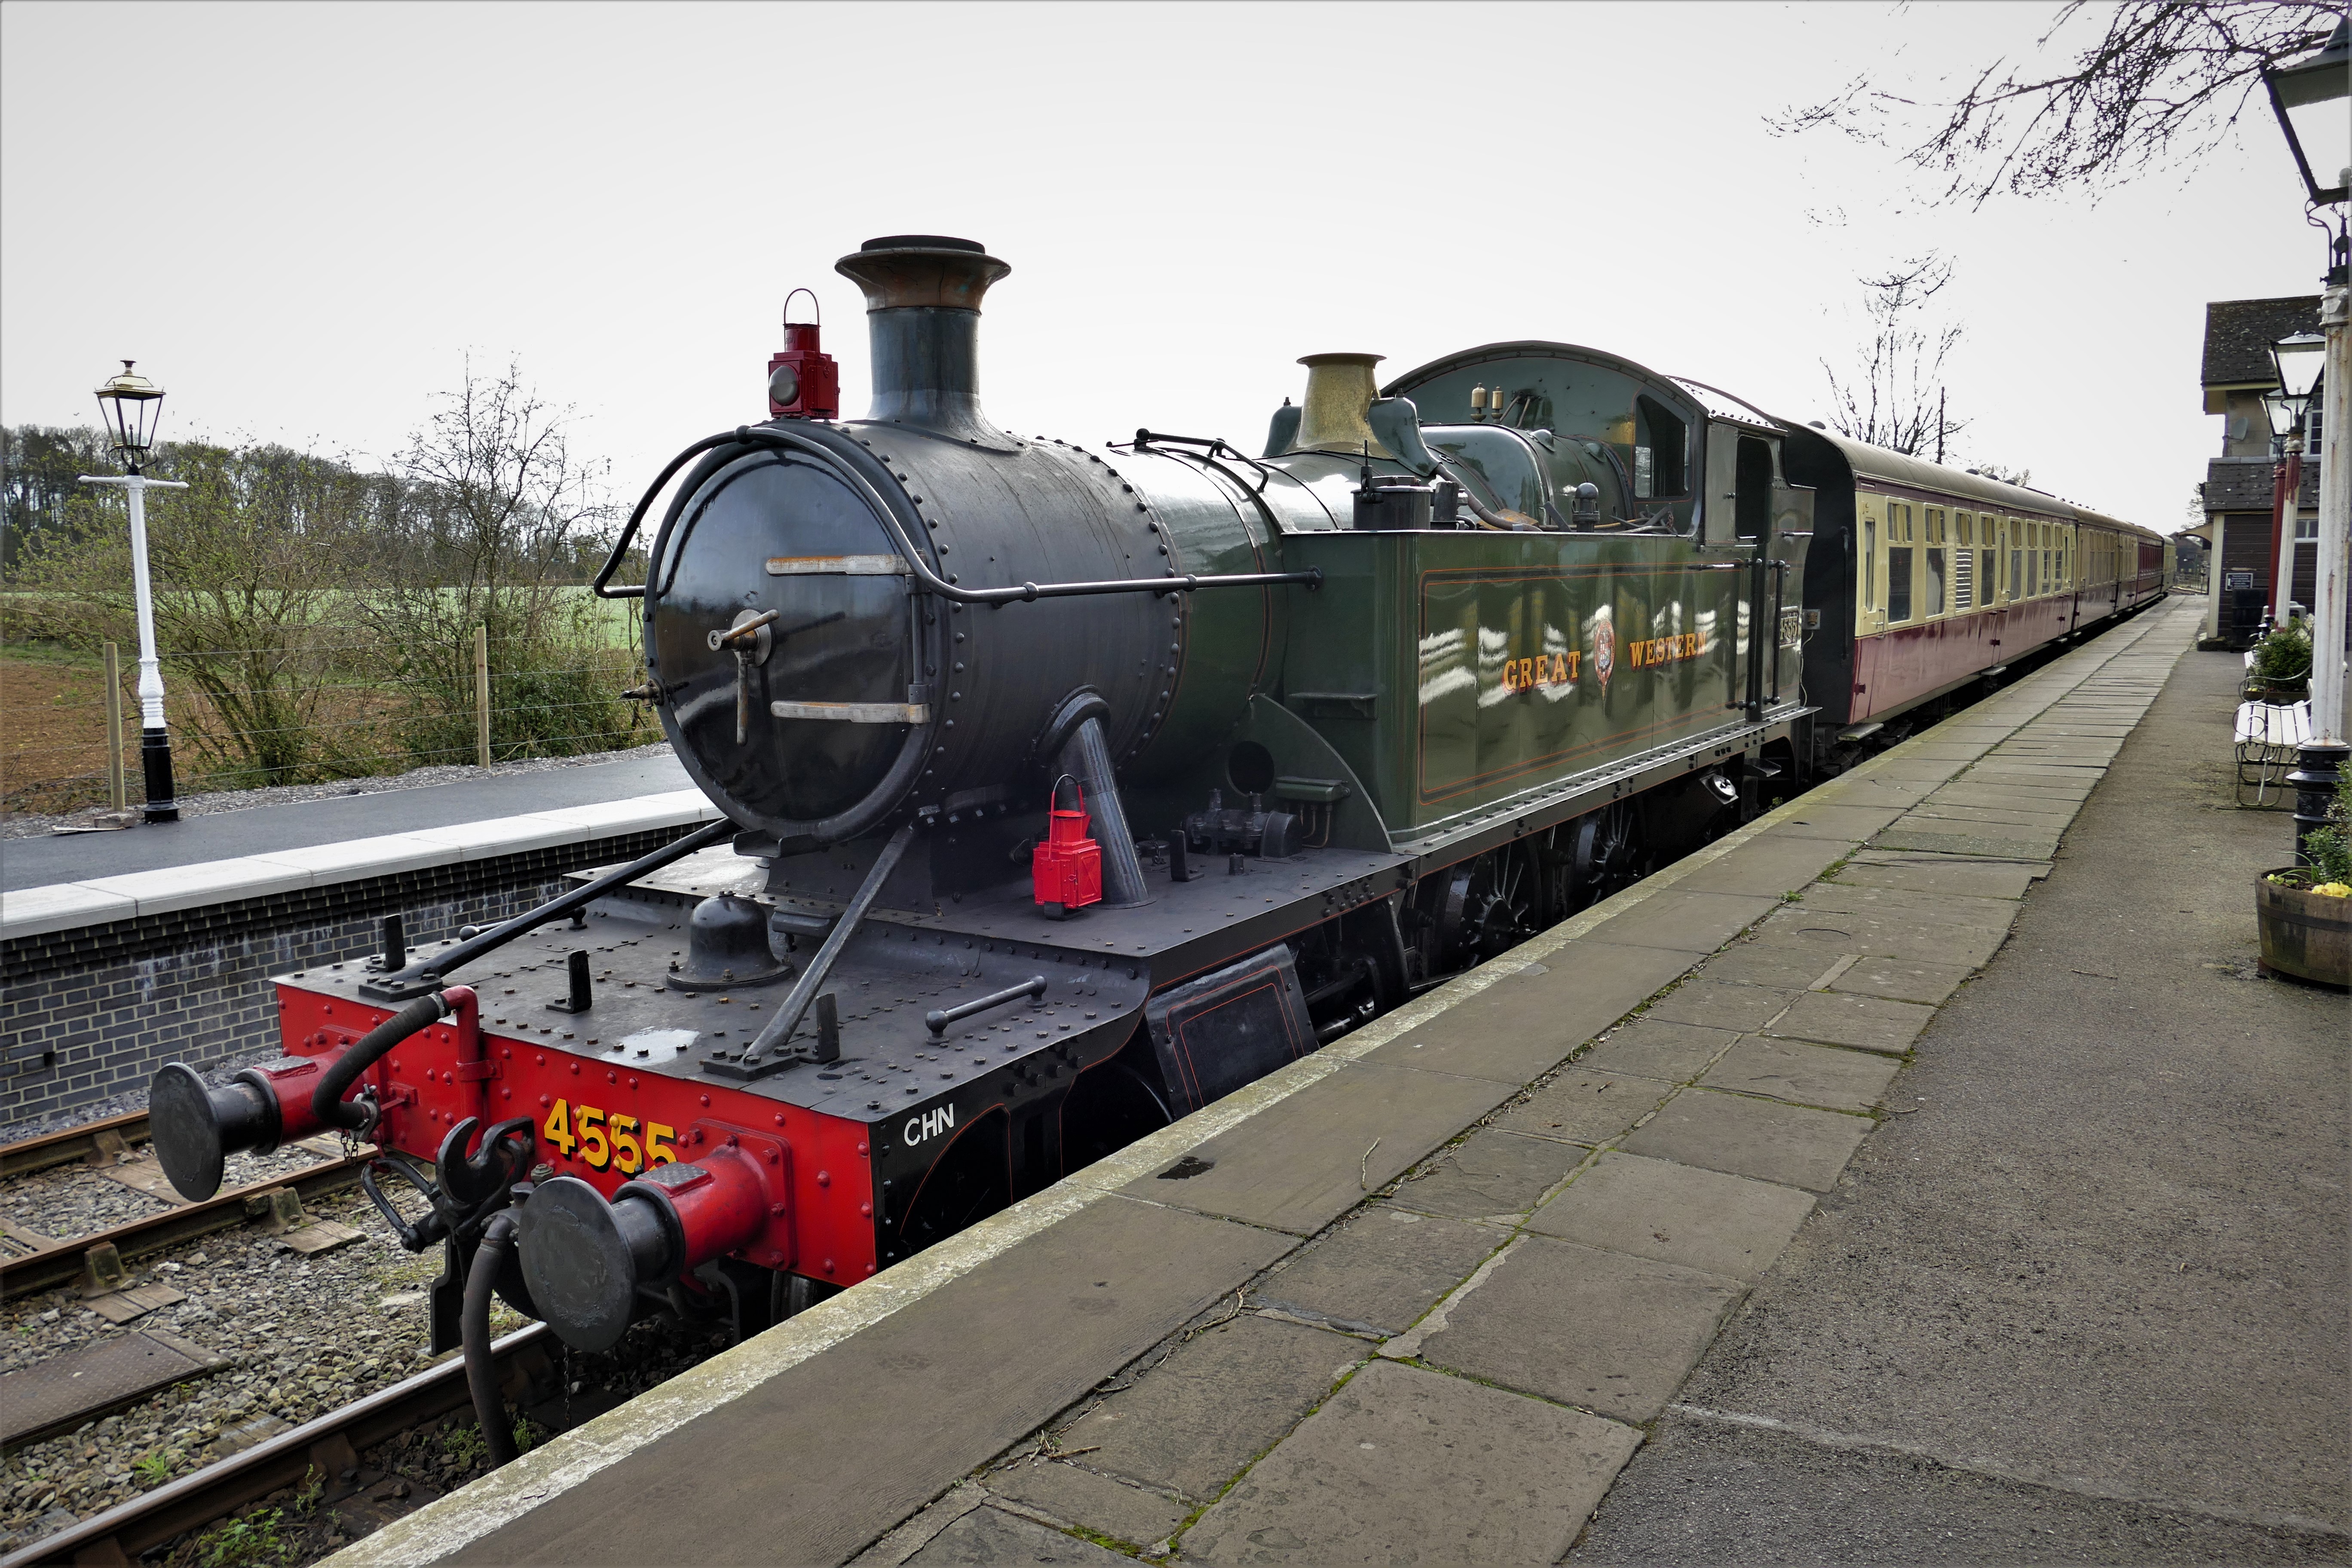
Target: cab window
1662	446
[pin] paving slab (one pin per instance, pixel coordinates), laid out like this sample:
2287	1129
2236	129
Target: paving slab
992	1535
1989	816
1941	908
2038	847
1917	769
1995	771
1491	1173
1901	979
1221	1399
1718	1224
1833	933
1101	1503
804	1447
1408	1465
1939	874
1675	1053
1967	792
1867	792
1303	1162
1606	1330
1867	1023
1522	1027
1766	865
1749	963
1586	1105
1686	922
1848	824
1731	1132
1380	1270
1739	1008
2009	845
1804	1074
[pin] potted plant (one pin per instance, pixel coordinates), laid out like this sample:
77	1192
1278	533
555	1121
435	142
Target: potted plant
2281	672
2305	912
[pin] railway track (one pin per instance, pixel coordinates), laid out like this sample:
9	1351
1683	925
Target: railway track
325	1451
89	1143
48	1263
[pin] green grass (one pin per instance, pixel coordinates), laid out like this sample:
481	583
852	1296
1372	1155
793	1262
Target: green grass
256	1538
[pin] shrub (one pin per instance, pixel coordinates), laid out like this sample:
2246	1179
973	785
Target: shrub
2283	659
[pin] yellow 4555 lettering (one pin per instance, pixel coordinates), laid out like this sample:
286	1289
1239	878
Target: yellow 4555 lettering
608	1140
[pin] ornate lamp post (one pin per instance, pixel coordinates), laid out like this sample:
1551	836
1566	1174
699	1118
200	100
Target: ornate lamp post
2308	97
132	407
2294	360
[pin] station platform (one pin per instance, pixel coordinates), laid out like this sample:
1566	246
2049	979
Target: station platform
1922	1172
372	810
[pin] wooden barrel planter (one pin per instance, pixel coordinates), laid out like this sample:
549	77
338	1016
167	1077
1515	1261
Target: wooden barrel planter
2304	934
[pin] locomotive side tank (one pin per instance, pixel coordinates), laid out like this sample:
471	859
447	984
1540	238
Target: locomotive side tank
1442	663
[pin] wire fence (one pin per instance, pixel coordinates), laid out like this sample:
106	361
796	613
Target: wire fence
254	718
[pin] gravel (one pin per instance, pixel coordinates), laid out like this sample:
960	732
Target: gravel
33	826
303	1336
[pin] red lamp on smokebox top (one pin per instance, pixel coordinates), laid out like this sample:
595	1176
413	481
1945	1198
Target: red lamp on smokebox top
803	382
1065	869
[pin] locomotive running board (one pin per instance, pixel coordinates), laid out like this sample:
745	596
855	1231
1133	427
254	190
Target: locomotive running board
1475	832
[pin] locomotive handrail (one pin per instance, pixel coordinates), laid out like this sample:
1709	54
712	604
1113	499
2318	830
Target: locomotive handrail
947	588
426	974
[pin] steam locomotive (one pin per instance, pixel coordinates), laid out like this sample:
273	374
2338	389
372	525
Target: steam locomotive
1066	790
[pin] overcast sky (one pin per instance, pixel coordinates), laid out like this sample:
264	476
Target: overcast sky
300	219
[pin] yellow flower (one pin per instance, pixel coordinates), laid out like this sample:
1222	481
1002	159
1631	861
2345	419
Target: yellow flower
2335	889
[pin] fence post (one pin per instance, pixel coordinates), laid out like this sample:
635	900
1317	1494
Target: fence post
117	794
482	695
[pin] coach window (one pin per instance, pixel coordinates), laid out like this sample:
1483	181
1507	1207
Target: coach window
2016	560
1869	597
1898	581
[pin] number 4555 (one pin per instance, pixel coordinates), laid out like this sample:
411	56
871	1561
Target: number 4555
608	1142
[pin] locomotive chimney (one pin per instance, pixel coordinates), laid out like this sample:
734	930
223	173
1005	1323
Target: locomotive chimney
1340	392
922	313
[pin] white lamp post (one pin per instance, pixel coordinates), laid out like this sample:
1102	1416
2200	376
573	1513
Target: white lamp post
2308	97
132	407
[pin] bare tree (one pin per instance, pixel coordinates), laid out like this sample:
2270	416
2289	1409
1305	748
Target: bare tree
496	511
1896	399
2110	91
2022	477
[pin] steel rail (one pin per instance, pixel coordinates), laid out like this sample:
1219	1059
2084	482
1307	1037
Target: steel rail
62	1263
328	1445
51	1148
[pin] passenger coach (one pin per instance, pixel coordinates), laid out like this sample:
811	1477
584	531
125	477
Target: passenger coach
1943	578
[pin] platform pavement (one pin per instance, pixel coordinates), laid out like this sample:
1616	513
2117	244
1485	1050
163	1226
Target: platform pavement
1422	1295
307	824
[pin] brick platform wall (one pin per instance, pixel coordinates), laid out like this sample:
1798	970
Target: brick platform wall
90	1013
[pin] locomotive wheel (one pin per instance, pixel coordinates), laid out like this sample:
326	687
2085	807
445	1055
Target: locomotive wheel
1602	856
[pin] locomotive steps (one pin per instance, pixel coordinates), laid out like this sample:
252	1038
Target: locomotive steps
1326	1343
